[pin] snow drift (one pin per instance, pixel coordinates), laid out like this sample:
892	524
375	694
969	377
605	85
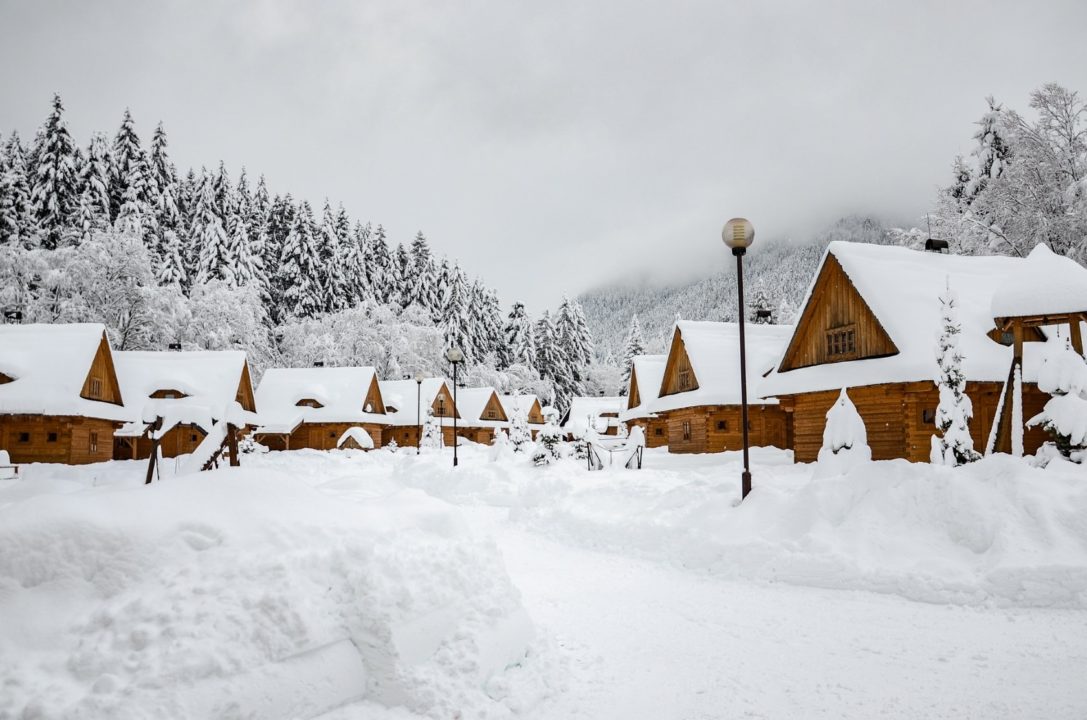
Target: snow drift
187	597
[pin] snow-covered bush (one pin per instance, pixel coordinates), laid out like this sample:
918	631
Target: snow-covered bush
953	445
845	439
392	446
549	445
1064	375
500	445
432	433
520	433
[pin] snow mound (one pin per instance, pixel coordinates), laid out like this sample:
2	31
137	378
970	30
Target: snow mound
998	531
186	597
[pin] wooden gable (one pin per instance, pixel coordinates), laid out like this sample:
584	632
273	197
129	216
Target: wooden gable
373	402
678	374
310	403
443	403
836	325
101	381
5	378
634	398
493	410
535	413
244	396
168	394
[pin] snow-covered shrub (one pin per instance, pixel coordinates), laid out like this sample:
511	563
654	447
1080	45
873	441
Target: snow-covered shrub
248	446
520	433
392	446
845	439
432	433
548	445
953	445
1064	375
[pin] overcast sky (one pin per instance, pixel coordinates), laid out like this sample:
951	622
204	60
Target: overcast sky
552	146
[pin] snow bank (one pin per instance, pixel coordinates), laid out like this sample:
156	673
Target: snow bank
195	595
993	532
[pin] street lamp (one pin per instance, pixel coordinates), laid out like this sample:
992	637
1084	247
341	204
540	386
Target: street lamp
418	412
456	357
738	235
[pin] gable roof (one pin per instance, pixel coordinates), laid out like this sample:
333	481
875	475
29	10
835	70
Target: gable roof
586	407
902	288
210	380
646	375
1044	283
48	366
341	391
402	395
713	349
471	402
520	403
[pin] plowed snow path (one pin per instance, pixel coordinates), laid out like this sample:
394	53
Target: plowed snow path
646	640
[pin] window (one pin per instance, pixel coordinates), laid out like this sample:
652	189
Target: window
332	434
491	415
51	437
684	379
928	416
96	388
92	441
24	437
659	431
841	342
686	429
722	424
441	406
193	437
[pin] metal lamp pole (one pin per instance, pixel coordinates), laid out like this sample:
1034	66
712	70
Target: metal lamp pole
456	357
418	413
738	235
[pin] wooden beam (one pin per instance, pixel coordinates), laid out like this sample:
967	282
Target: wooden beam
1076	335
232	441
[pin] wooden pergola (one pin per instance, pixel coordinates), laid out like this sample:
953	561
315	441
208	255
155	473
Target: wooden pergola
1011	406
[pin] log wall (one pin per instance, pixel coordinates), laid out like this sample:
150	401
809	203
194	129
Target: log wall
718	428
56	439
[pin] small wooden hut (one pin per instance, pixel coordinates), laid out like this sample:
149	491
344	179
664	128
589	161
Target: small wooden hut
314	407
527	404
646	374
870	323
60	401
479	414
700	388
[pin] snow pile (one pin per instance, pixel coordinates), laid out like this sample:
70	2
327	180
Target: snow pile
360	437
845	439
191	597
1064	375
996	531
1043	284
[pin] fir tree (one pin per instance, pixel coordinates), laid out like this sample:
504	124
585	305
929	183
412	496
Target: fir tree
54	194
954	445
520	433
248	266
634	346
19	224
519	346
455	316
299	266
401	277
94	177
423	286
129	180
214	259
379	266
353	261
171	269
163	180
432	432
331	277
760	309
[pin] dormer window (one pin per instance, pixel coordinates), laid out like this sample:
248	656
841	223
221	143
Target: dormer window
841	342
309	402
96	388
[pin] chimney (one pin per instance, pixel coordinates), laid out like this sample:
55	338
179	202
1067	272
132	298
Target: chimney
936	246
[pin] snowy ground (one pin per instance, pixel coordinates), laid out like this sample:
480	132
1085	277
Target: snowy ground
898	591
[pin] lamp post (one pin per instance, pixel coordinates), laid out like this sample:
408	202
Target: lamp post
418	412
738	235
456	357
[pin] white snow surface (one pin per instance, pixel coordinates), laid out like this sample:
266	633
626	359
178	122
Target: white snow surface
359	435
655	594
714	352
1043	283
404	394
648	370
903	287
48	365
514	404
471	402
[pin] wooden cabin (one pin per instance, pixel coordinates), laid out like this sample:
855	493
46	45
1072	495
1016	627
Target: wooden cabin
479	414
870	323
529	405
314	407
700	388
60	401
405	419
600	413
646	374
191	390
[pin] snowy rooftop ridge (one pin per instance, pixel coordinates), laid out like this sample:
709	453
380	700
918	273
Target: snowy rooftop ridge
341	391
403	394
48	365
648	370
1044	283
514	404
208	378
714	351
902	287
471	402
585	407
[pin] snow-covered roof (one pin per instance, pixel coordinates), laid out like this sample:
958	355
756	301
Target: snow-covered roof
359	435
208	378
1043	284
48	365
513	404
714	351
471	403
649	372
341	391
402	395
902	287
605	407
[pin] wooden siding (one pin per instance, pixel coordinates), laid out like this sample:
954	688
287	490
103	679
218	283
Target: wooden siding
655	429
443	403
324	436
535	413
404	436
480	435
718	428
101	381
678	374
634	398
896	418
493	410
835	304
244	397
373	399
75	441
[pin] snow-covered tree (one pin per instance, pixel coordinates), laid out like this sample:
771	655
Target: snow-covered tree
378	265
520	433
1064	376
214	261
130	180
94	176
845	439
54	195
455	315
17	223
432	432
549	444
519	347
299	265
171	266
953	445
632	348
331	279
760	308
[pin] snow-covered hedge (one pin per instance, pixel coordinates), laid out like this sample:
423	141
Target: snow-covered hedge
191	594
